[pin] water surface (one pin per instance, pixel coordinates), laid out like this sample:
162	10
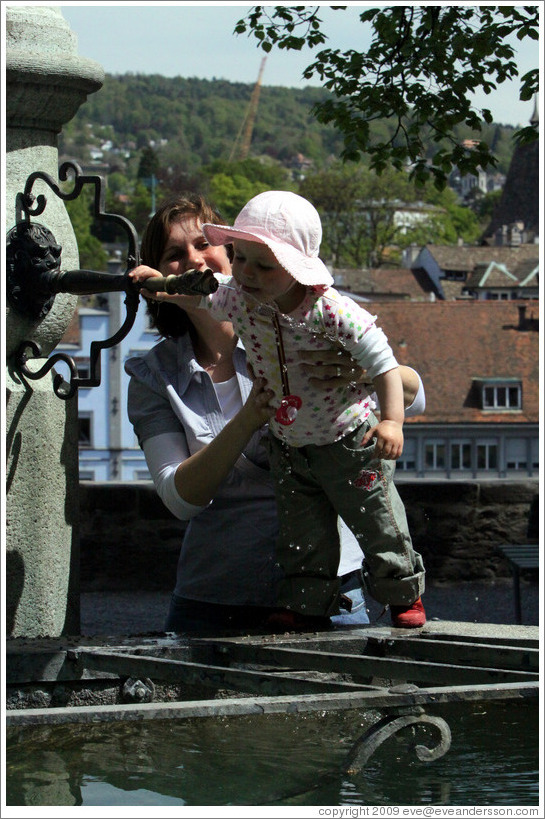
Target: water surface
277	760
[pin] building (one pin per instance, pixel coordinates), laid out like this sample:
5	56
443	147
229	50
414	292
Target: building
108	449
479	361
467	185
447	271
379	284
519	201
493	281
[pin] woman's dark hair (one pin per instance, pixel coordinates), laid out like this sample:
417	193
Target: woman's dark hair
170	321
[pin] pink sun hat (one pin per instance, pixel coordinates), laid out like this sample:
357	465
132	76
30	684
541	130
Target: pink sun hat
288	224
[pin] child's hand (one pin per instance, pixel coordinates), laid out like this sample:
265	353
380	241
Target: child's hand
143	272
389	443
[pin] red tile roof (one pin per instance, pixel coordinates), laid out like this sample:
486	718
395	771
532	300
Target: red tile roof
394	282
451	343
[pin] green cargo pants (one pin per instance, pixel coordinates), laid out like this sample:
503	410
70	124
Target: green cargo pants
315	484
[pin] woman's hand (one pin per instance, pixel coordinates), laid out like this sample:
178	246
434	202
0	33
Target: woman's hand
331	368
198	478
257	409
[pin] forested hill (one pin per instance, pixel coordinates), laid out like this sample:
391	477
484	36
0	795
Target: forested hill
192	122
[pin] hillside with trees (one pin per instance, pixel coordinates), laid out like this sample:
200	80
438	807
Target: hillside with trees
151	136
192	122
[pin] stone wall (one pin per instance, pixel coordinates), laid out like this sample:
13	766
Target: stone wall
130	541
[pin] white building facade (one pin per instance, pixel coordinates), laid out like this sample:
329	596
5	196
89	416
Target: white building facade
108	446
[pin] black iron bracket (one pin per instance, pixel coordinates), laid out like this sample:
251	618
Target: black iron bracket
34	277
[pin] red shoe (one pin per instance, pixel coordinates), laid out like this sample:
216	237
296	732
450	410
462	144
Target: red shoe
412	616
288	620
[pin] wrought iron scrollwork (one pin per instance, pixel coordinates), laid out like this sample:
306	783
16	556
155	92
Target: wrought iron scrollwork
34	277
30	205
61	387
391	724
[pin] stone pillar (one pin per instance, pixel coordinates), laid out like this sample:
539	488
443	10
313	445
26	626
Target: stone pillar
46	82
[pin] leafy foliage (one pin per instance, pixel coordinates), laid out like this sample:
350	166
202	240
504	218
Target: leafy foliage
149	163
418	74
190	123
230	185
368	218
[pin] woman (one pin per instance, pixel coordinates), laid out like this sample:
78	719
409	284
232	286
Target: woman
200	421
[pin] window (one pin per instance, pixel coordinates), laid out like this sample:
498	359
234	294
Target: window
434	455
408	458
83	366
498	295
502	396
85	431
86	475
487	455
516	453
460	455
142	475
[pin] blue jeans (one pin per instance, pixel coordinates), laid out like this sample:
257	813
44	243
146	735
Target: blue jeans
358	615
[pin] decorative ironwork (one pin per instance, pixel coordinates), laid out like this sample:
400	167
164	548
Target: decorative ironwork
29	205
290	674
391	724
34	277
31	254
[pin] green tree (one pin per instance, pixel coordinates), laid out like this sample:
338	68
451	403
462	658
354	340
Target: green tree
231	184
334	193
266	171
149	163
453	221
230	193
138	209
483	204
369	218
117	183
197	121
92	255
419	72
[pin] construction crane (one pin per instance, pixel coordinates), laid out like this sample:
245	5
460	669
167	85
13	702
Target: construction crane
243	139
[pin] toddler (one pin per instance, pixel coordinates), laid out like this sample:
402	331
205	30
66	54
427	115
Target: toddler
329	456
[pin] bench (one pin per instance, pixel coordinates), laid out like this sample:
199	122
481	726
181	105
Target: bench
520	556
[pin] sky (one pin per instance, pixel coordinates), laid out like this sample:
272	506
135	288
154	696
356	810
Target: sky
197	40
